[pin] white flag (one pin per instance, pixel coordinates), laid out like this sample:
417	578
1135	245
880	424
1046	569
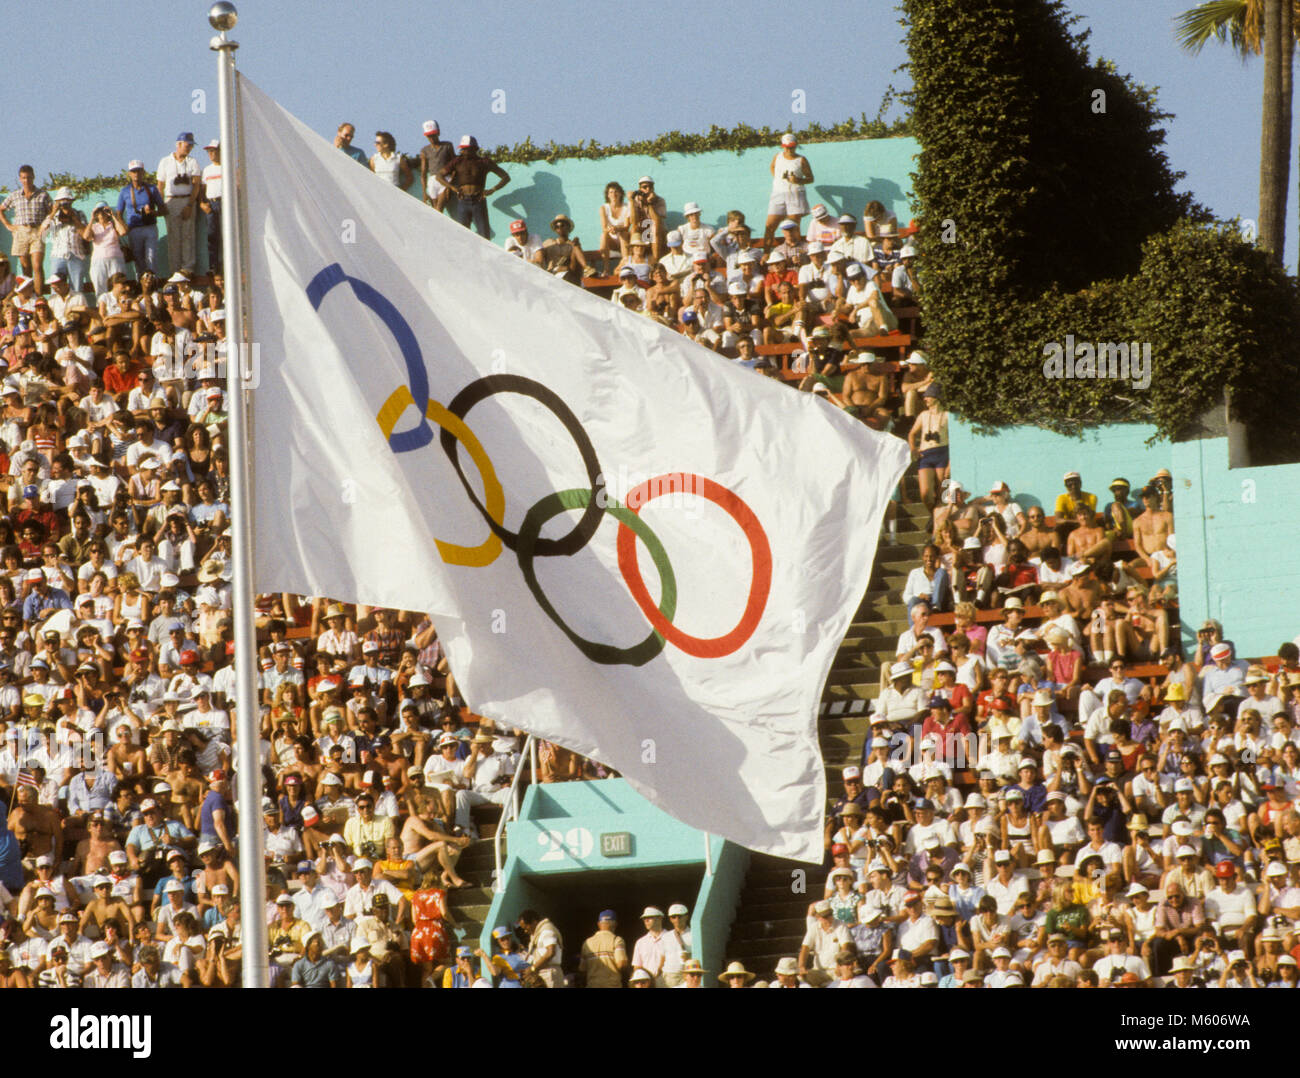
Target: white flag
628	545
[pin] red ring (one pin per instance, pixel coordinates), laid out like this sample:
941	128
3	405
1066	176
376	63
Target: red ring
760	584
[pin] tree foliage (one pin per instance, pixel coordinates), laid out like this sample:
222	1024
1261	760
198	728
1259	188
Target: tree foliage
1045	171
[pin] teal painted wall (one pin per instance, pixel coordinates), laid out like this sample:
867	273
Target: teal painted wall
1032	460
86	204
1237	546
849	174
558	836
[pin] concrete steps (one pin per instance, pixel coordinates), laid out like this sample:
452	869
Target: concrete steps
771	921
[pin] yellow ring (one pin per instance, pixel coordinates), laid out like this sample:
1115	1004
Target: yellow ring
494	497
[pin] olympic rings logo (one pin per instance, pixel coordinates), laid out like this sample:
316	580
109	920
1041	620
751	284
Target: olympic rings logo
594	501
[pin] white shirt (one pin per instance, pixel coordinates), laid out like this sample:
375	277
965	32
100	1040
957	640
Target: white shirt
914	934
1230	910
909	639
695	240
918	585
211	181
530	246
176	179
157	448
1005	893
1111	853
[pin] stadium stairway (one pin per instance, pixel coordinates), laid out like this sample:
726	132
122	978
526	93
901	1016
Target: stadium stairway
770	922
469	905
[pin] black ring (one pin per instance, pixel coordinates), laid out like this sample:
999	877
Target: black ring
591	517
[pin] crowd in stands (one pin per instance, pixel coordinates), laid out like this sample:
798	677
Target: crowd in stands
722	287
1052	794
117	707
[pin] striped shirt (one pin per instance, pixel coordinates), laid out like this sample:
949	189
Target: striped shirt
58	977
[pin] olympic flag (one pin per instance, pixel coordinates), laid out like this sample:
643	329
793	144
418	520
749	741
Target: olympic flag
628	545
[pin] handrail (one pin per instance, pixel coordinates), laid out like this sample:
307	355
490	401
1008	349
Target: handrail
510	811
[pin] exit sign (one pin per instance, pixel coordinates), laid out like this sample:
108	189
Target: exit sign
616	844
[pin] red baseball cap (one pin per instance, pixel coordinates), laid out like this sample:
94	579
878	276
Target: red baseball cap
518	226
189	658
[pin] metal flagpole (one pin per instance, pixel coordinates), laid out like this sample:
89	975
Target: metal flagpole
252	870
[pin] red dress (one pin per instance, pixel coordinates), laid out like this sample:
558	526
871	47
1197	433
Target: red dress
430	940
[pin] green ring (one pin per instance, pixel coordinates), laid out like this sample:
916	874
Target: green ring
606	654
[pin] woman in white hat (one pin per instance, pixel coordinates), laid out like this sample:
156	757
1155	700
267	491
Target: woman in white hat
104	232
361	971
734	976
843	898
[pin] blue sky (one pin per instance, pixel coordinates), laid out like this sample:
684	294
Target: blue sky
563	71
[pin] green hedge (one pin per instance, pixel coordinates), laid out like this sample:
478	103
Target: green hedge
739	138
1042	216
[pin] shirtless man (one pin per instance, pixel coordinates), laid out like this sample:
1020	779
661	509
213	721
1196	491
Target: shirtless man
1036	535
217	868
1152	529
105	906
465	174
1082	594
125	759
917	378
36	827
187	790
181	313
956	508
92	852
1087	540
863	389
423	841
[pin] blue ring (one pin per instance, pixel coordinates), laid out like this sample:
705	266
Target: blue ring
417	378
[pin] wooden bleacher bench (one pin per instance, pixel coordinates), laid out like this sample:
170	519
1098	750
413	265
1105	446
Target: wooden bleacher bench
1142	671
985	617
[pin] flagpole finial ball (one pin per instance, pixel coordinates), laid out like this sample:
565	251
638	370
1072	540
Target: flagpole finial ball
223	16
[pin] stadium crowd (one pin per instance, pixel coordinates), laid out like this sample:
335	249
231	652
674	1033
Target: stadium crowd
1052	795
1029	810
117	727
118	854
